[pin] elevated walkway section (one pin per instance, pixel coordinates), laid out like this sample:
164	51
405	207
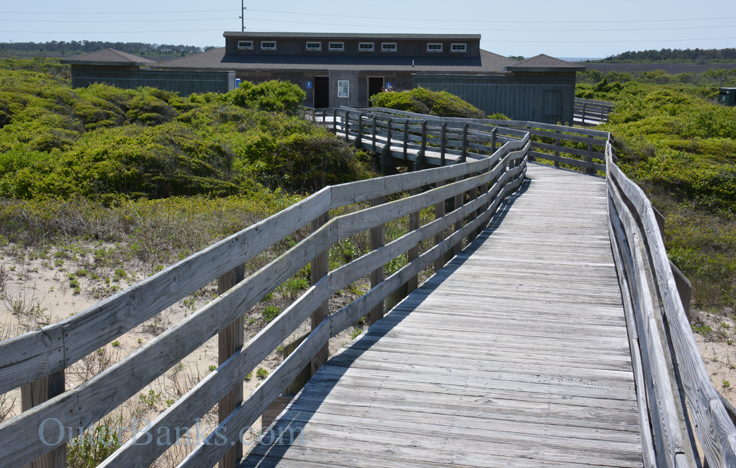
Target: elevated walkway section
515	354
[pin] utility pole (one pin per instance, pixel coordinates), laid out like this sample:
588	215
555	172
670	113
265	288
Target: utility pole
242	15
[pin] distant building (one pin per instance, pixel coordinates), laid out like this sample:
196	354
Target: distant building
347	69
727	96
124	70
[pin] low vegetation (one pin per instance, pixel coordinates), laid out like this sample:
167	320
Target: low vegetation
680	146
424	101
105	143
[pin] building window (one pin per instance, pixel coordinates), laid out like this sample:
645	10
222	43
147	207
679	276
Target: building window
434	47
343	88
314	46
268	45
366	47
337	46
245	45
389	47
460	48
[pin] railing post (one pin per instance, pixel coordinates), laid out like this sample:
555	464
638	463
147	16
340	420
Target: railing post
347	126
422	155
439	212
33	394
359	140
229	341
443	144
494	138
589	159
374	133
457	203
386	162
319	268
406	139
378	239
413	254
465	141
334	121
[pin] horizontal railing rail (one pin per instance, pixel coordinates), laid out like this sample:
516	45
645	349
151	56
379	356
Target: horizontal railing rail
682	402
463	196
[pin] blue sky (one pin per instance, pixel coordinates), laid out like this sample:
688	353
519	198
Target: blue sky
563	28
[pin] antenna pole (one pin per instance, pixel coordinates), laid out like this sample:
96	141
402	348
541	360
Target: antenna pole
242	15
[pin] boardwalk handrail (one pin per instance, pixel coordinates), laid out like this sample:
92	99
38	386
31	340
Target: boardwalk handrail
415	138
591	111
580	149
679	393
472	190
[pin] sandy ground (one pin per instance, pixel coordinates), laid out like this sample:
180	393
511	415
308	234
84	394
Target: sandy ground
716	339
38	291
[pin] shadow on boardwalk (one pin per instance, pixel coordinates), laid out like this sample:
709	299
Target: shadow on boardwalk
287	430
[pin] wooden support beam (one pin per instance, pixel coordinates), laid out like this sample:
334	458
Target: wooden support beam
406	139
443	145
346	125
465	142
33	394
359	139
439	212
320	267
421	161
229	341
378	239
373	136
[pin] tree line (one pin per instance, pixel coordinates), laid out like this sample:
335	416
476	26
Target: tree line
676	55
62	48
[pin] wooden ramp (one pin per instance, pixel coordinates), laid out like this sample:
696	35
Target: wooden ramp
515	354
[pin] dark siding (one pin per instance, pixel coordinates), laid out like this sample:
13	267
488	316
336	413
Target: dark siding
297	47
182	82
358	83
539	97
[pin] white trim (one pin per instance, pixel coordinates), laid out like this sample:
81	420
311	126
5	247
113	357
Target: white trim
459	51
318	45
435	47
366	49
389	47
336	47
263	47
244	47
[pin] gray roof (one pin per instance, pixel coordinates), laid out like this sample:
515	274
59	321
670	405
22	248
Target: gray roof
108	57
316	35
544	62
217	59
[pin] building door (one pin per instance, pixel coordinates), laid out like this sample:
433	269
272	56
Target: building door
321	91
375	85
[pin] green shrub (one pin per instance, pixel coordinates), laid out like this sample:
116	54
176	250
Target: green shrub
106	143
424	101
273	96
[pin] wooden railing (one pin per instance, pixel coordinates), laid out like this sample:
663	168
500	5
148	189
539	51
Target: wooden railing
432	140
463	196
416	138
591	112
684	419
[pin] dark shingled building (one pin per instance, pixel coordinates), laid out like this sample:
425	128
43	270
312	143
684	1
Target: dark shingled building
338	69
126	70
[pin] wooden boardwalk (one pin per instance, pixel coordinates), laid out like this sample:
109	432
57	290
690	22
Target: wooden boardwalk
515	354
